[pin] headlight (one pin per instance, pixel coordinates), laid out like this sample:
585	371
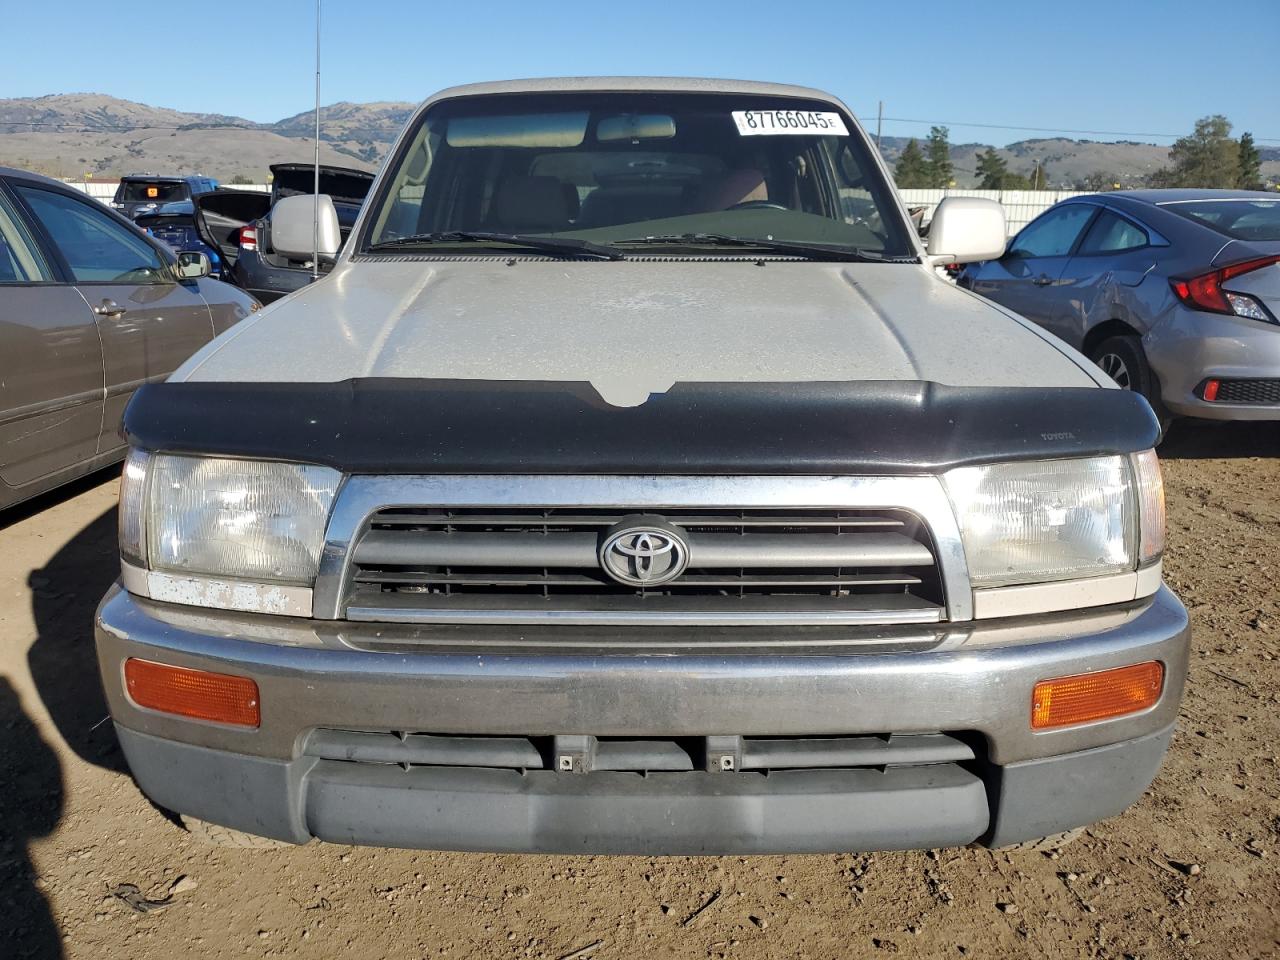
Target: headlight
234	519
1058	519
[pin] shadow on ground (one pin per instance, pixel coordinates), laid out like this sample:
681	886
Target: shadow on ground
29	508
63	662
30	807
1207	440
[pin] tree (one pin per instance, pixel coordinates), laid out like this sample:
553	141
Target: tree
938	158
1250	162
992	170
994	174
1206	158
1039	177
1099	181
911	171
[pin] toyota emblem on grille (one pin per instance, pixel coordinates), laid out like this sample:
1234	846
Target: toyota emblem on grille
644	555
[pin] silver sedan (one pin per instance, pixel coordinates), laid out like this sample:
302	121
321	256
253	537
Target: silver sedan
1174	293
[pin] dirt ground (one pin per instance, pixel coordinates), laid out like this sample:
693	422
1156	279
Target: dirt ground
1192	871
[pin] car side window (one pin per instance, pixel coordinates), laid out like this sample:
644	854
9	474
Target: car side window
20	258
1112	234
1055	233
94	245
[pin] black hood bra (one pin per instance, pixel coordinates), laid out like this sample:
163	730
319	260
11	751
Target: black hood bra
405	426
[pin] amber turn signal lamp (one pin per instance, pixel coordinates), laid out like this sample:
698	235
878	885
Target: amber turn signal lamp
1085	697
198	694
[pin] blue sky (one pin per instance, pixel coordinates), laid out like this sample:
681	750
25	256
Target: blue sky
1129	66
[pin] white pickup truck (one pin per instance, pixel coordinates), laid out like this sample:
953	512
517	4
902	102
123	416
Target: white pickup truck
632	484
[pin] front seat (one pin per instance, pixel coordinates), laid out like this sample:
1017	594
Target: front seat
530	205
743	185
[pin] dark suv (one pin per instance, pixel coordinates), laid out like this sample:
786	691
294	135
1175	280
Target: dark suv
237	223
141	193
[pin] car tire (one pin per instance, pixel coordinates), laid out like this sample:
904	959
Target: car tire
1124	361
216	835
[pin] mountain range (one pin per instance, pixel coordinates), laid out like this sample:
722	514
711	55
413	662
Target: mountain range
77	134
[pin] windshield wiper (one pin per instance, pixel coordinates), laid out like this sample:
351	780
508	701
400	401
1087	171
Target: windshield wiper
564	246
814	251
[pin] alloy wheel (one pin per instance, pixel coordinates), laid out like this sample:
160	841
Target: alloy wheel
1114	367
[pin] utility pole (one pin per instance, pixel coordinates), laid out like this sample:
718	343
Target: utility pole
315	205
879	121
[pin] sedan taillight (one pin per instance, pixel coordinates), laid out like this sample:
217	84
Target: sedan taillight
248	238
1205	292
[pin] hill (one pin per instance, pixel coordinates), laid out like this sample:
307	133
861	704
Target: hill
69	135
1068	161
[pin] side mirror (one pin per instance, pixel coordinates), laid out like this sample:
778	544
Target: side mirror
967	230
292	221
192	265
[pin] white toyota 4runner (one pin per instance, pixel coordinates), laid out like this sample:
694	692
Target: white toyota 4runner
632	484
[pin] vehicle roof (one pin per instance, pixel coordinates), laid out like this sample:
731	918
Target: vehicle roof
633	84
29	175
173	208
324	168
164	177
1157	197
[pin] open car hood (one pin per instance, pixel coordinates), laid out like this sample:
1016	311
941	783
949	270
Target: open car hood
344	184
220	215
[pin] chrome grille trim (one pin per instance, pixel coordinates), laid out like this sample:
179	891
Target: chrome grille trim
579	550
363	496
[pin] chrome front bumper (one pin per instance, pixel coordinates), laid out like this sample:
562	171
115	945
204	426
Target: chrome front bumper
974	679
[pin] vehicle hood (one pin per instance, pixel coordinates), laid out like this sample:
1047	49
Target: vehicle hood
342	183
634	328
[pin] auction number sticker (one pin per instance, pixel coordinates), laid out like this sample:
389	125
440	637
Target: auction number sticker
754	123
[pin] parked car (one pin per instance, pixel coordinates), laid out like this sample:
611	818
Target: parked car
174	225
141	193
616	493
1174	293
90	308
238	223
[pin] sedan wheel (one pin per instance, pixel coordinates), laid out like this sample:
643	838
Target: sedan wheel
1114	367
1122	359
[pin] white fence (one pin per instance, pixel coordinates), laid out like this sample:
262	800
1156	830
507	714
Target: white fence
1020	206
105	191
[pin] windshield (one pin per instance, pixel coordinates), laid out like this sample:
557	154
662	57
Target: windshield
1241	219
141	191
616	168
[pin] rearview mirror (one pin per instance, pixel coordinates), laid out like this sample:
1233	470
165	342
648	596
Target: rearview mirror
966	230
293	220
192	265
632	126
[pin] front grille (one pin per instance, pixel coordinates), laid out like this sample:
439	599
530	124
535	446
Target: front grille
526	561
1249	391
582	754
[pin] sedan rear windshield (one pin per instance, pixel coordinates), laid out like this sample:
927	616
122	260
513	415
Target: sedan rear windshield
139	191
1239	219
617	168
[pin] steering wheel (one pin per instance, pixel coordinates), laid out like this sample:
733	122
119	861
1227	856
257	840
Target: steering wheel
758	205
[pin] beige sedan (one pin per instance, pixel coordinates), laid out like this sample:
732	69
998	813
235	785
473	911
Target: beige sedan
90	308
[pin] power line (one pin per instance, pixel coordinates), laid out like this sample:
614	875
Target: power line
123	128
1096	133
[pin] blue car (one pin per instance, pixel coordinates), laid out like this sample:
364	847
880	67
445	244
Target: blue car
174	224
